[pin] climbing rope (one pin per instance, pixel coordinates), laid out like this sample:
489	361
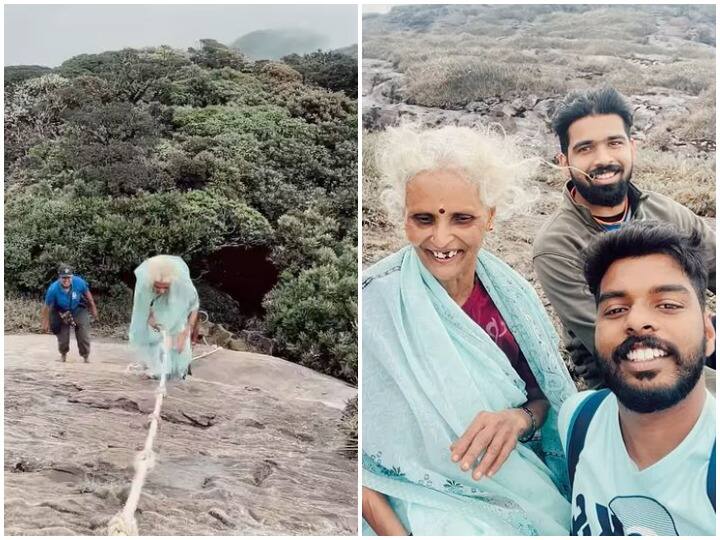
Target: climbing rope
123	523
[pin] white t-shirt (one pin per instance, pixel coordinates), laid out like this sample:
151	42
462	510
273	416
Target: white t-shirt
612	497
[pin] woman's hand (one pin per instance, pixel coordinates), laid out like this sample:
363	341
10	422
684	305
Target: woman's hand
495	434
180	341
152	322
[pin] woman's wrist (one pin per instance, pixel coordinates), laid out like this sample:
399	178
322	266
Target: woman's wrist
530	424
523	421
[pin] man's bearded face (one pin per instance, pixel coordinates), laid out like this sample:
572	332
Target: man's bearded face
600	159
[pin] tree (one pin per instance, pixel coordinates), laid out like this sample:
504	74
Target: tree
17	74
214	55
332	70
135	75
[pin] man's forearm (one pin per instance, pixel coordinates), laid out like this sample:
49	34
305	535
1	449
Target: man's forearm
91	303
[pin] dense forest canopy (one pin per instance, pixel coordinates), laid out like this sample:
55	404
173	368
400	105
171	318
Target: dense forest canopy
114	157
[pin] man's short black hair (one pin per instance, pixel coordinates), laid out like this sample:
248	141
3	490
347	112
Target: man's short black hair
577	105
641	238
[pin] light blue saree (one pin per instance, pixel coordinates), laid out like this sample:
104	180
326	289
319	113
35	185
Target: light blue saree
428	369
171	312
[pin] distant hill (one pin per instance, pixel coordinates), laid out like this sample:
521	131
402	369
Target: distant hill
273	44
350	50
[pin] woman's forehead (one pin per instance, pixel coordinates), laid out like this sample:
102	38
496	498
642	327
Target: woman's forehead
447	188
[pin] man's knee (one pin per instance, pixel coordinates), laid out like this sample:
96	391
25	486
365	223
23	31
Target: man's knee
82	331
82	335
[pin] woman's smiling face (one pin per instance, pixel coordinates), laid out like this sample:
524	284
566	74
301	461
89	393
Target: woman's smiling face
446	222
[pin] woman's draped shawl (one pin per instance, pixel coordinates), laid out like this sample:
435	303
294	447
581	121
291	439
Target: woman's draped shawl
171	311
428	369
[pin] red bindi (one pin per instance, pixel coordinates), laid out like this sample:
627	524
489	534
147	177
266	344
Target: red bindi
442	210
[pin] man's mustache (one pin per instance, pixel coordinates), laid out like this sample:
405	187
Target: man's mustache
604	169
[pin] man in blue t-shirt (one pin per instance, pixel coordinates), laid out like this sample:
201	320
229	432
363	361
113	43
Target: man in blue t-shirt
641	454
66	306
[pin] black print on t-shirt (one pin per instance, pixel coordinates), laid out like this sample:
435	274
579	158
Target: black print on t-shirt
625	516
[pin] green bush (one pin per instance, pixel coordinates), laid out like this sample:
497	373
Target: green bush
110	236
313	315
332	70
118	156
18	74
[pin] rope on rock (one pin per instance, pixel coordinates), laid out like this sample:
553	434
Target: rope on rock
123	523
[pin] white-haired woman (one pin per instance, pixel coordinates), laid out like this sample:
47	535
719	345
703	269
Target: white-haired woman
165	303
462	378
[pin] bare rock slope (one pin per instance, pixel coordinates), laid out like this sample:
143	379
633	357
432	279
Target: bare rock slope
248	445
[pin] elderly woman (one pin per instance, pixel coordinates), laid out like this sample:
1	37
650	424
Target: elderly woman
462	379
165	302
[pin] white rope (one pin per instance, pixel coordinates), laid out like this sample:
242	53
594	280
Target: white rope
123	523
208	353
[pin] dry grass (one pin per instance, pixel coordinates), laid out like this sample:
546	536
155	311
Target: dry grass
456	81
626	24
688	180
22	315
697	125
381	235
474	52
688	76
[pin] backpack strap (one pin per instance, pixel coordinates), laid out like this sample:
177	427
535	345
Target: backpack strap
579	425
710	482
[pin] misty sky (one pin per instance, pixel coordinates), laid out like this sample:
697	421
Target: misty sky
376	8
50	34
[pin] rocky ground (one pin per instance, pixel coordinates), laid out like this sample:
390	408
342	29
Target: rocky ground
528	116
248	445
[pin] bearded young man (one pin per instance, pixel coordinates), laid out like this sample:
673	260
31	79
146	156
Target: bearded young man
598	155
641	454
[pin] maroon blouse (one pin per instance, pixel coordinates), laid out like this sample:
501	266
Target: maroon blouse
481	309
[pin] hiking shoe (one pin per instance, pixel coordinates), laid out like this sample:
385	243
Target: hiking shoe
85	358
62	358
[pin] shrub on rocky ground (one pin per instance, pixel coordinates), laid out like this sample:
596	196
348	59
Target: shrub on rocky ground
313	315
456	81
349	427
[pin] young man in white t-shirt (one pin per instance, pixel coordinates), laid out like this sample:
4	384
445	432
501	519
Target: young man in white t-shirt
641	454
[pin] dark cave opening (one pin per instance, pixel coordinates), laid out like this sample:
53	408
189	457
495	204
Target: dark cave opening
245	274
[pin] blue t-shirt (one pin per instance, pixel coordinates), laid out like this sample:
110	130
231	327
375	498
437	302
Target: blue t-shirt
612	497
56	297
